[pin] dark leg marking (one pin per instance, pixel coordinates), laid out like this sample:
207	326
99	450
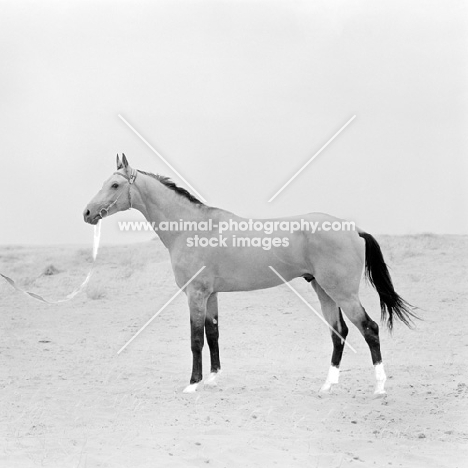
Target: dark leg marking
212	331
197	342
197	298
370	331
338	343
333	315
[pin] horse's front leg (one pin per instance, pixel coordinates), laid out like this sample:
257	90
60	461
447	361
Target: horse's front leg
212	335
197	299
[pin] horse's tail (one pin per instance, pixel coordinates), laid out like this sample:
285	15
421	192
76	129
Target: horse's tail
377	272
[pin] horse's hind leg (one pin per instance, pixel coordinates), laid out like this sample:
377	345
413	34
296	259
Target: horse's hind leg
339	273
334	318
212	335
370	331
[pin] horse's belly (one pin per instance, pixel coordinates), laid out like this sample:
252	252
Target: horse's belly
259	270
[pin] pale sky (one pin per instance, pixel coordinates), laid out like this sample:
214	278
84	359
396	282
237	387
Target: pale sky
237	95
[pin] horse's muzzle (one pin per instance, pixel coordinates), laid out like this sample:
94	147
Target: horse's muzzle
90	219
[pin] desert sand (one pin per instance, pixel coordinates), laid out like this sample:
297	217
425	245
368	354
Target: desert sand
68	399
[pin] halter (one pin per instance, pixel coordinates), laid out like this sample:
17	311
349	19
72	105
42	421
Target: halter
131	179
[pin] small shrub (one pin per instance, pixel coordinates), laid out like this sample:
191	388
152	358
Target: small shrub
50	270
95	292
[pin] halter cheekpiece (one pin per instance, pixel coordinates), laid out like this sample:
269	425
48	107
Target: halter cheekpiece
131	179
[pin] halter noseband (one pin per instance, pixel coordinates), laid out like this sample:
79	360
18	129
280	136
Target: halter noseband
131	179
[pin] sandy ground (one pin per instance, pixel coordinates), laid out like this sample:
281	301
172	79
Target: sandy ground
68	399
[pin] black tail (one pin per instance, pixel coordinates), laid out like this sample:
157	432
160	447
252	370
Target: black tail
377	273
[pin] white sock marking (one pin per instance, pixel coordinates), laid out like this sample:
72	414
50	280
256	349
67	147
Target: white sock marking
380	372
332	378
380	377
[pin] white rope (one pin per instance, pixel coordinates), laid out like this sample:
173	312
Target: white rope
97	237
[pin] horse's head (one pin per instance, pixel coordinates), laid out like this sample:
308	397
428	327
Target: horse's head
115	194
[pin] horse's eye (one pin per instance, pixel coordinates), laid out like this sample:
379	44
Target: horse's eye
115	185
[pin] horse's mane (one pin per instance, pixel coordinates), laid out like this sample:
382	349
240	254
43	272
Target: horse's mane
172	186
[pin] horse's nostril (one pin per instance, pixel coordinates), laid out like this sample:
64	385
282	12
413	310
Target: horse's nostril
86	213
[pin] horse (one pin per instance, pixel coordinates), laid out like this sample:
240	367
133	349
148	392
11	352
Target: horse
332	261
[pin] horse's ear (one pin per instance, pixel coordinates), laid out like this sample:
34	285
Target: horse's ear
119	163
124	161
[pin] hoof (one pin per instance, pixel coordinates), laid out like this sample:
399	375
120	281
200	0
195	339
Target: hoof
326	388
212	379
380	388
380	393
192	388
332	379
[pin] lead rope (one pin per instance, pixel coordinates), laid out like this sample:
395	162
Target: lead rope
97	238
69	297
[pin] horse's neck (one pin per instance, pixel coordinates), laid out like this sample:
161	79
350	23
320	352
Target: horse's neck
159	204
